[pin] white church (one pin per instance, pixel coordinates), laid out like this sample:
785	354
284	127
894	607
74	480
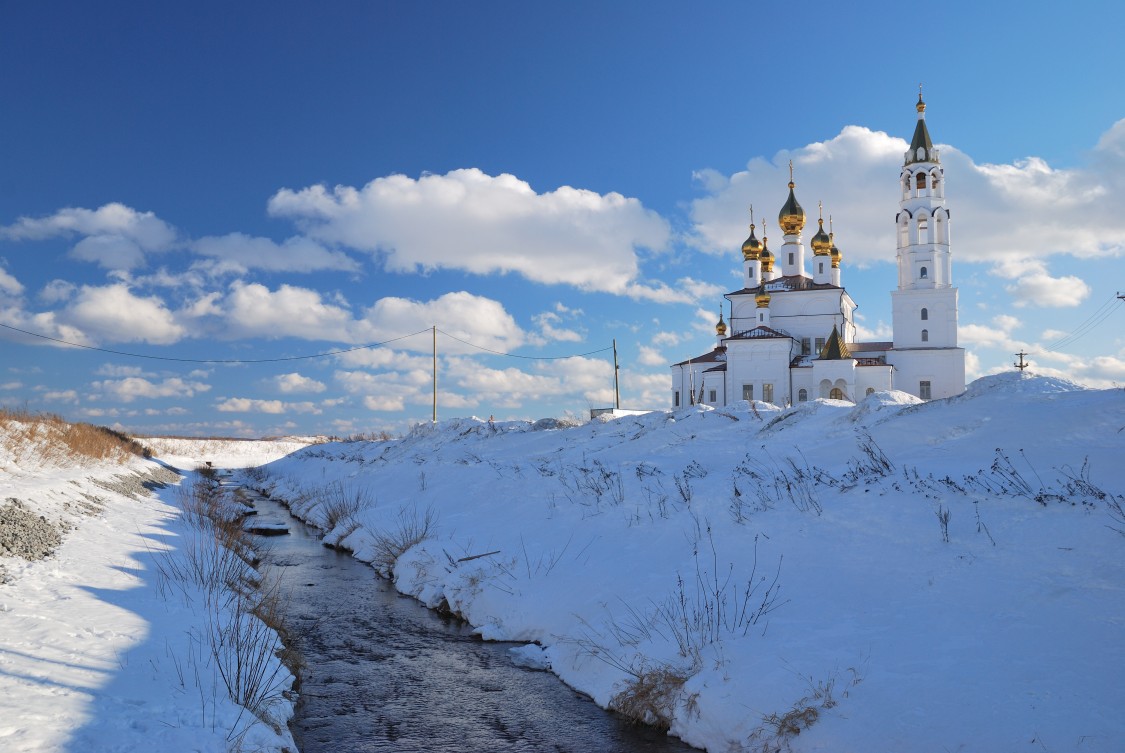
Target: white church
791	336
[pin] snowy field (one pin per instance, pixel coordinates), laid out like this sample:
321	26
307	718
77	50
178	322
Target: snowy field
102	647
888	576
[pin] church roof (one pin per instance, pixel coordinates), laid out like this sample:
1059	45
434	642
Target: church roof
716	355
921	138
758	333
788	284
835	349
869	347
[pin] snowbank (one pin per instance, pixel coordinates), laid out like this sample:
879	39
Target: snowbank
888	576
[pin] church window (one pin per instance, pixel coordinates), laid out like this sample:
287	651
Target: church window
802	395
806	346
761	317
870	391
836	394
790	258
747	392
934	181
714	396
924	389
925	314
819	344
925	335
676	399
821	269
922	226
767	393
922	273
750	273
921	182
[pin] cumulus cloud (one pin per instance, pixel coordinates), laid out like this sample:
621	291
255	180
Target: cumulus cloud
9	285
294	382
114	236
477	321
114	313
651	357
484	224
1040	289
548	323
1011	216
237	253
999	333
275	407
130	388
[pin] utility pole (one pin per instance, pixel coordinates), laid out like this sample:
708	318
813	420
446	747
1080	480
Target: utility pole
1022	364
435	372
616	383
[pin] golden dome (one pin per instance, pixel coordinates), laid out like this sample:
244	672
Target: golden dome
752	247
763	298
721	327
834	253
792	216
821	243
766	257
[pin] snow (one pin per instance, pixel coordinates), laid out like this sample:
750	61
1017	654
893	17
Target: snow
895	575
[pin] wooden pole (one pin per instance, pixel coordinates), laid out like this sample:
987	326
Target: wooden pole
435	373
616	383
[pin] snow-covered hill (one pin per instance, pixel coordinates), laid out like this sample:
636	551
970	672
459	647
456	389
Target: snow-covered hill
887	576
104	643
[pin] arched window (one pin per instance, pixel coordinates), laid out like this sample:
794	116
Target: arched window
836	394
925	314
870	391
925	335
921	182
802	395
923	225
934	181
922	273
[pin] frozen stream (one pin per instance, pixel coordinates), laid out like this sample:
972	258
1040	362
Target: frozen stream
386	674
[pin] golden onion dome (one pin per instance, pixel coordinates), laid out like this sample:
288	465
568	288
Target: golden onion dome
721	327
763	298
766	257
821	243
792	216
834	252
752	247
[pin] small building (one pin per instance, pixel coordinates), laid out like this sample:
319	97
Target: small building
791	336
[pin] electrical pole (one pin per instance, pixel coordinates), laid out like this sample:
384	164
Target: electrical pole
616	383
435	372
1022	364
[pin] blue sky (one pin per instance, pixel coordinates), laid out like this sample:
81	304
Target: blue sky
254	181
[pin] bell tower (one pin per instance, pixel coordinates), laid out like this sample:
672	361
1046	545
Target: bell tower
925	354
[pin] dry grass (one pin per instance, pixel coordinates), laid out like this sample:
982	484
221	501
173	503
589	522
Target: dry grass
47	439
651	696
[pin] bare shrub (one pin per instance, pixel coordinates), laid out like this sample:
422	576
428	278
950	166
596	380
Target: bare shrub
651	695
341	503
413	528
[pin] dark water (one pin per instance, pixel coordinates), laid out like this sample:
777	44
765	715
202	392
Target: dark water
386	674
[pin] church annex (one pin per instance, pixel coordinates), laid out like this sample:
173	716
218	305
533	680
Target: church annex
791	336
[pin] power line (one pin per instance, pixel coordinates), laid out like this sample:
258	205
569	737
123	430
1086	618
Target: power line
515	355
1087	326
289	358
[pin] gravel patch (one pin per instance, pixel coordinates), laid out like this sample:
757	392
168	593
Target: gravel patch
25	534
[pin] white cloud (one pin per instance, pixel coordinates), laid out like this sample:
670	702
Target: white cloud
274	407
62	396
1040	289
9	285
1012	216
999	333
129	389
651	357
237	253
57	291
115	236
290	383
547	322
113	313
253	310
480	321
484	225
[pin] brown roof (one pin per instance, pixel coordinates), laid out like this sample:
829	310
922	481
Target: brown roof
789	283
718	354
